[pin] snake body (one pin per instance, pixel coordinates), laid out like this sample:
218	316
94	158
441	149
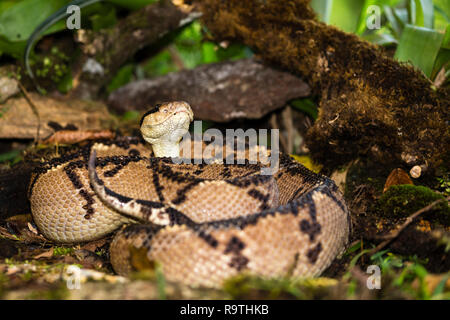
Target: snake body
203	223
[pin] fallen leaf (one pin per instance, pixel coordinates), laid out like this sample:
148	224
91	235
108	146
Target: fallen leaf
396	177
32	228
46	254
93	245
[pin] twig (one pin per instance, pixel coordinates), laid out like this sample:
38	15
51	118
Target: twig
390	237
33	108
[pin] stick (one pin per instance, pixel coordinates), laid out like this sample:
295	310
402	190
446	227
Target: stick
389	238
33	108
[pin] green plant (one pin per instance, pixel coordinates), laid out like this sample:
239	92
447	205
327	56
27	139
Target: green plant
444	183
419	28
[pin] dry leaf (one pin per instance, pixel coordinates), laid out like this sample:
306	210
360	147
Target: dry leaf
440	78
396	177
32	228
93	245
46	254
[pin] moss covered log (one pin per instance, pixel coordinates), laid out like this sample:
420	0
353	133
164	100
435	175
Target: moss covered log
403	200
370	105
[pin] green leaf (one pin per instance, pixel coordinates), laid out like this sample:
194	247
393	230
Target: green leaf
13	155
323	9
443	57
420	46
11	48
209	51
18	22
123	76
345	14
159	64
307	106
424	13
395	23
446	41
66	83
441	14
5	5
353	248
380	38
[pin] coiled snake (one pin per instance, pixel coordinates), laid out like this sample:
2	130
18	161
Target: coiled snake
201	222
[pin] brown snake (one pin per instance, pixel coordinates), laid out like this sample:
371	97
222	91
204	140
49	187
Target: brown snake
203	223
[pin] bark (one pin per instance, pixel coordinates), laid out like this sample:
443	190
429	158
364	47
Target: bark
219	92
19	122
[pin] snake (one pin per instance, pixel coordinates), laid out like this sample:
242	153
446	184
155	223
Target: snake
201	222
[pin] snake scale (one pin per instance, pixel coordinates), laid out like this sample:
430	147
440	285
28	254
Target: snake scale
202	222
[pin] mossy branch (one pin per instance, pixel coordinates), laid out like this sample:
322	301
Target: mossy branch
370	104
393	235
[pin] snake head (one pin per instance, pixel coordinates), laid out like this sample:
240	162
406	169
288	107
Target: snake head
165	125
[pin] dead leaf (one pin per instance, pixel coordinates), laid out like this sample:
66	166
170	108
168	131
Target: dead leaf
46	254
396	177
440	78
32	228
93	245
431	281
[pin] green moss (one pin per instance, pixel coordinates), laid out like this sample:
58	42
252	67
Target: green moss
62	251
404	200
